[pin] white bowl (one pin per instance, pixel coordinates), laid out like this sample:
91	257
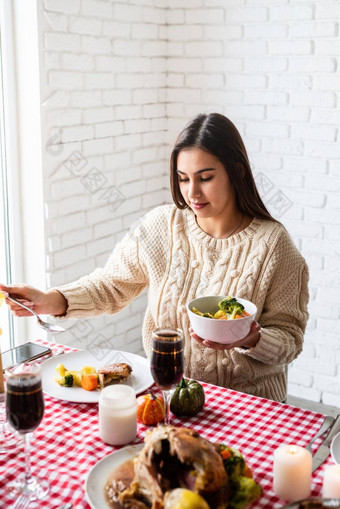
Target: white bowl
220	331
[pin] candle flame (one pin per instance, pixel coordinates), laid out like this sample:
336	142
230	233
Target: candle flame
293	449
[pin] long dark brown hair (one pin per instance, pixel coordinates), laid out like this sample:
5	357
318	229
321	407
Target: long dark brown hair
217	134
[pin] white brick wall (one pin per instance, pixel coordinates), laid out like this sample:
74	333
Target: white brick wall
119	81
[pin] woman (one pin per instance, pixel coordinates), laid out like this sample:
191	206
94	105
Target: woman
217	239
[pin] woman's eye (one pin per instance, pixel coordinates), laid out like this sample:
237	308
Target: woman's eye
206	179
182	180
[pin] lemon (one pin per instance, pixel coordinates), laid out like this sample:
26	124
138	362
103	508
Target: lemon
181	498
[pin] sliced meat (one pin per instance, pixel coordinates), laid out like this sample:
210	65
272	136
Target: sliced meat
114	372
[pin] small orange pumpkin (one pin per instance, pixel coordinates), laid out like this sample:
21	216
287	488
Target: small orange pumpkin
150	409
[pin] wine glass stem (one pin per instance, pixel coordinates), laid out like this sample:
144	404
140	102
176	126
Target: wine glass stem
167	399
27	444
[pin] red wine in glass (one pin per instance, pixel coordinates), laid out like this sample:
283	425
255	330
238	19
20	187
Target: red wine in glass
167	362
25	409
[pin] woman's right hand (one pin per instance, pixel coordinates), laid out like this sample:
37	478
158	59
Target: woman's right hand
50	302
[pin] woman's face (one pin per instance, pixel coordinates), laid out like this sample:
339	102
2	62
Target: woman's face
205	184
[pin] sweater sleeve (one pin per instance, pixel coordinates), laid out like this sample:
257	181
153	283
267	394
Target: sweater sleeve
108	290
284	315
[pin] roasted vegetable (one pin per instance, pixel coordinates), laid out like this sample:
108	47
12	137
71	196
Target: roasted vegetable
245	491
65	381
188	398
89	382
231	307
181	498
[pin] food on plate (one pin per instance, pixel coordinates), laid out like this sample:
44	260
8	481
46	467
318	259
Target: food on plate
150	409
181	498
187	398
89	378
230	309
117	372
180	458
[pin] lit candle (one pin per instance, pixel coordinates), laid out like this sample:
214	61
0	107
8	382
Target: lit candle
292	473
117	414
331	482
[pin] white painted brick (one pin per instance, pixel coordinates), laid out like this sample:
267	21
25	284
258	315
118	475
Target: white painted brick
291	81
329	150
78	237
99	80
62	224
175	80
204	49
154	15
144	155
144	31
136	126
77	133
260	162
321	216
185	32
61	41
86	99
244	112
154	48
95	45
124	12
299	377
328	383
188	64
304	392
267	129
311	98
329	398
183	94
76	62
283	147
88	26
174	16
131	206
311	132
63	117
145	96
52	60
65	79
117	160
265	97
95	115
63	258
265	31
64	6
126	47
96	8
100	246
110	64
287	47
107	228
130	80
154	110
107	129
246	14
307	197
245	48
327	82
313	29
310	230
114	97
58	22
189	4
265	64
243	81
115	29
132	189
128	141
325	116
312	64
130	174
327	47
290	12
305	165
133	321
205	80
148	198
128	112
288	113
328	10
98	146
222	32
204	16
143	64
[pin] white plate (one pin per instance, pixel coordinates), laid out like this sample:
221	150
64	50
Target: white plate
98	475
335	449
140	379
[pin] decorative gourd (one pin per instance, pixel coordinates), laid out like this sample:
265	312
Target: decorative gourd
150	409
188	398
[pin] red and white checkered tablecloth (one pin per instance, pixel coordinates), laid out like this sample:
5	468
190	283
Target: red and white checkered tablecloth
67	444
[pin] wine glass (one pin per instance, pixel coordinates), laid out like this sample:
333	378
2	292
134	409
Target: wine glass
25	410
167	362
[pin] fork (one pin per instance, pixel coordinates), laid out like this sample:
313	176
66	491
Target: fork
22	502
327	423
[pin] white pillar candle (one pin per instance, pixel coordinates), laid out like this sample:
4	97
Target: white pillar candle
117	414
292	473
331	482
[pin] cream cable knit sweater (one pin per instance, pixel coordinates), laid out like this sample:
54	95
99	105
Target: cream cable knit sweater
168	253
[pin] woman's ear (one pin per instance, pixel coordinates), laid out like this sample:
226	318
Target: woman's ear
241	169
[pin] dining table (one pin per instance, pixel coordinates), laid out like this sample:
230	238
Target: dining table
66	445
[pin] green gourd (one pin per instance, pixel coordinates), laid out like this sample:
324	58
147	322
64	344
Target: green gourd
188	398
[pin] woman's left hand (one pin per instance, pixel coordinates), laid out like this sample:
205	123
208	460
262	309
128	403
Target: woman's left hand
248	342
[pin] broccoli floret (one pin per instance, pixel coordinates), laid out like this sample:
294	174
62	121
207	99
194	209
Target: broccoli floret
245	491
231	307
234	464
68	380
